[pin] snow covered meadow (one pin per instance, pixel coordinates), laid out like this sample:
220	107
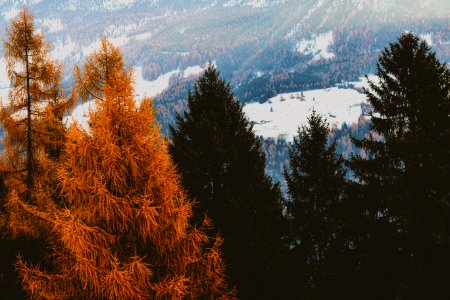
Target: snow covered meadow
284	113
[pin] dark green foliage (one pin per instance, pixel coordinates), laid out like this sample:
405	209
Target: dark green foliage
405	181
316	186
222	165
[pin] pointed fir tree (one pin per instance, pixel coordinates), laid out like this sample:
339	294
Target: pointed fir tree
120	226
405	178
222	166
316	181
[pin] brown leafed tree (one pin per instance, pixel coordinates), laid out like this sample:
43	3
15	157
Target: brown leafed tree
34	136
90	83
120	228
33	119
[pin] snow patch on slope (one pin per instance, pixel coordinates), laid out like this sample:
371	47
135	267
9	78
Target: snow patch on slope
86	50
4	82
152	88
284	113
147	88
52	25
193	71
12	13
80	115
253	3
363	83
143	36
116	4
427	38
317	46
63	49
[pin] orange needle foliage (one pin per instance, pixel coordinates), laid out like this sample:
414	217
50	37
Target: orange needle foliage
118	228
33	118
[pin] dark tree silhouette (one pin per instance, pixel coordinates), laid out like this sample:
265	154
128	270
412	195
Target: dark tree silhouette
222	166
405	180
316	181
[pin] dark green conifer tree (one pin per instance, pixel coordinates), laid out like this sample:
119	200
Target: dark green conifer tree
405	179
222	165
316	182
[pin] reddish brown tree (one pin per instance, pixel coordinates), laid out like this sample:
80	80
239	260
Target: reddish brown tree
34	133
120	225
33	119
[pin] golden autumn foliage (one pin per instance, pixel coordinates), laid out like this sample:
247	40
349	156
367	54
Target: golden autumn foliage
33	118
99	67
112	212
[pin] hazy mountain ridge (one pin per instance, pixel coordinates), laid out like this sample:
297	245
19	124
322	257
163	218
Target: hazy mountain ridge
148	30
264	47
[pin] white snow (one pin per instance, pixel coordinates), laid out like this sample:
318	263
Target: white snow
119	40
152	88
317	46
427	37
147	88
116	4
362	83
259	73
143	36
80	115
290	110
252	3
193	71
4	82
52	25
12	13
63	49
86	50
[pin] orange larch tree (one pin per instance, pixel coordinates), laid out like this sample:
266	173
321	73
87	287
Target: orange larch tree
33	119
34	136
120	228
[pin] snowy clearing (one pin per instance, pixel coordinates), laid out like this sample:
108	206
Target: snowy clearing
284	113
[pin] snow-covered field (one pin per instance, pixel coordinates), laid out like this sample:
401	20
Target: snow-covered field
284	113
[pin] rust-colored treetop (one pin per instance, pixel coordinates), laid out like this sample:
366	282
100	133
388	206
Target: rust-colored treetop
99	68
117	226
33	118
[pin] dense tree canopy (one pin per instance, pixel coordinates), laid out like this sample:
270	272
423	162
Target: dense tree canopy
34	134
222	166
118	226
315	180
406	176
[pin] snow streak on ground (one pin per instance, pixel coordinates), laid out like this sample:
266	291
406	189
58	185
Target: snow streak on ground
144	87
284	113
317	46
